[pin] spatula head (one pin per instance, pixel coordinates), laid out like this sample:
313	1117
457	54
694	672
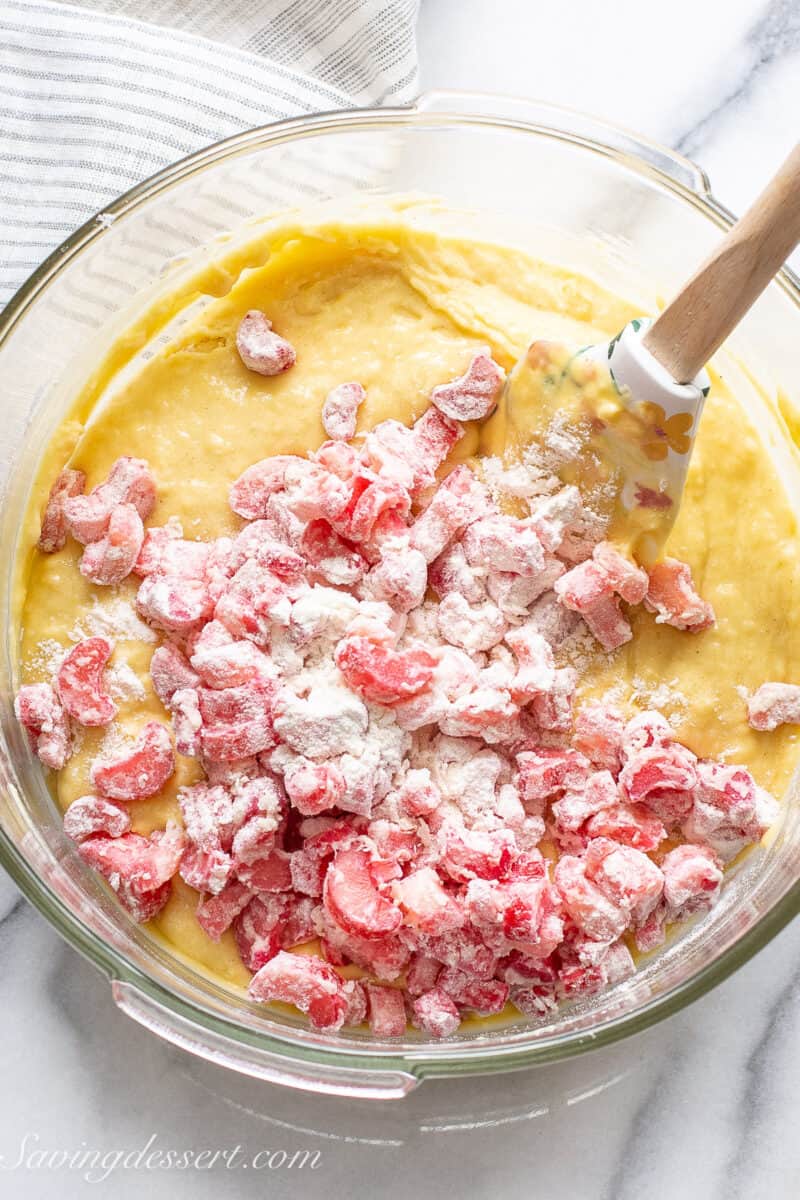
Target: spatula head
625	430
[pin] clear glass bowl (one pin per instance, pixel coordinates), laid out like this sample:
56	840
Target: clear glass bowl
573	189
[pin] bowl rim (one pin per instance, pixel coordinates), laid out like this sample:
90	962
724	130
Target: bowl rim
411	1062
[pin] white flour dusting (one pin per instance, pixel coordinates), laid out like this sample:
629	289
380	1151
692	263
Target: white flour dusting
124	683
115	619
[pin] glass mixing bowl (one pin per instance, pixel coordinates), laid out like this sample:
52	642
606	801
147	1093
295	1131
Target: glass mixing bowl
566	186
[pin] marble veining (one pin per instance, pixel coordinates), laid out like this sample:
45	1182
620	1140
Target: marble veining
701	1107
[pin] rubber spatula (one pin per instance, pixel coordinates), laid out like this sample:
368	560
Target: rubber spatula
657	375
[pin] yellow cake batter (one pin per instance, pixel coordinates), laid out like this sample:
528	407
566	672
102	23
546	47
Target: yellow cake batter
399	309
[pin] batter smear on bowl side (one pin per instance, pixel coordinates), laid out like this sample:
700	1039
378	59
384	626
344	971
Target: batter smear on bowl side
328	677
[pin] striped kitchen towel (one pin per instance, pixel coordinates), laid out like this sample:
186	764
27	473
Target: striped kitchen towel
93	101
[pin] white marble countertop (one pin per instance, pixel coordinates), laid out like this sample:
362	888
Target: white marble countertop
704	1106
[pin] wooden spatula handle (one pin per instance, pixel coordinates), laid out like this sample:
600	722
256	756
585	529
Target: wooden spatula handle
715	299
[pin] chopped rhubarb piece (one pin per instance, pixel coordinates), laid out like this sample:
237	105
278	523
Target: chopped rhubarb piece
470	627
774	704
522	912
92	814
608	624
537	1000
552	710
503	543
271	873
111	558
598	793
141	771
421	974
352	899
417	795
544	773
129	482
598	734
729	810
591	910
380	674
652	933
208	815
230	665
669	805
174	604
476	853
605	574
435	1013
53	534
517	968
139	869
474	395
465	948
206	870
628	877
451	572
581	980
630	825
552	516
623	576
338	458
536	667
425	903
250	493
356	996
489	713
340	410
618	963
312	493
80	682
433	437
300	926
384	958
258	929
645	730
314	788
186	721
255	599
306	982
692	880
307	870
237	721
387	1011
395	843
164	552
377	500
667	766
170	672
38	708
729	788
260	348
334	560
400	578
515	594
254	841
217	913
592	588
486	996
458	501
671	595
257	541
